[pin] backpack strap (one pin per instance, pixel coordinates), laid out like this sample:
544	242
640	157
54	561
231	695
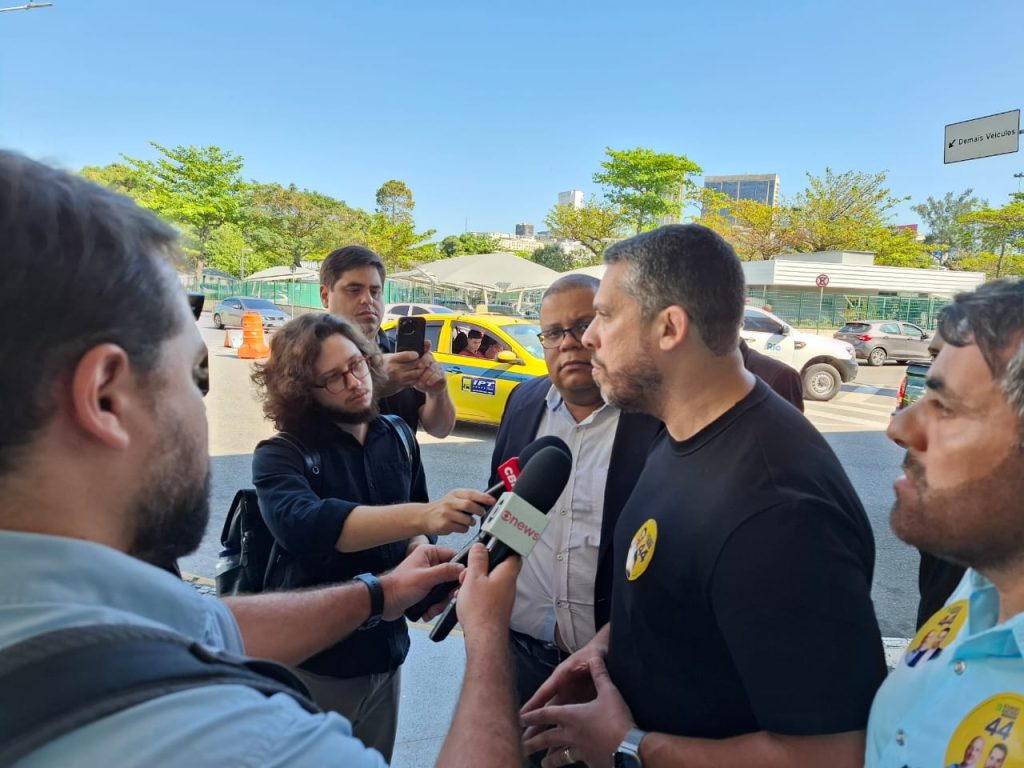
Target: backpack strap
63	680
404	433
310	458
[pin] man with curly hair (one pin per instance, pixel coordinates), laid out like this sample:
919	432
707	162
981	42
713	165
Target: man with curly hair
366	510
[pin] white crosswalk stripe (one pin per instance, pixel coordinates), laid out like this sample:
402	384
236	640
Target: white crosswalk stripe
863	409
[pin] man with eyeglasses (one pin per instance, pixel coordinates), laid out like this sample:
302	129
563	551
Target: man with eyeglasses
360	515
563	591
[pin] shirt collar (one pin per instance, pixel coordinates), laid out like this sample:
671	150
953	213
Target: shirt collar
556	404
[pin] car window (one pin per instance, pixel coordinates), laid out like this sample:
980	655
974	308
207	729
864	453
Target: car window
400	309
890	328
432	333
420	311
855	328
258	304
526	335
756	322
909	329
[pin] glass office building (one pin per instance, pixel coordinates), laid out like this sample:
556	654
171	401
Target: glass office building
763	188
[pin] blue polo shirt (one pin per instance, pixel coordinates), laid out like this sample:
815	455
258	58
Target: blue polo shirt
957	695
49	582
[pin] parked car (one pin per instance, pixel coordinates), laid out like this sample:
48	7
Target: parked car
825	364
229	311
913	384
879	340
392	311
497	309
456	305
480	387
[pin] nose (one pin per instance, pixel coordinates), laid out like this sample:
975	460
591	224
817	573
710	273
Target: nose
590	339
905	430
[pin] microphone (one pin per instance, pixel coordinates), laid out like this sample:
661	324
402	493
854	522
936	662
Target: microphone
519	518
509	472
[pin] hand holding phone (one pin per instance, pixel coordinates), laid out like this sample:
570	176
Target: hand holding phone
411	335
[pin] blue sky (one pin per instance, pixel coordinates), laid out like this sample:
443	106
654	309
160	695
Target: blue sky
489	109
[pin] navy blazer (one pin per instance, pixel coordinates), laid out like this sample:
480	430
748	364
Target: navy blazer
634	437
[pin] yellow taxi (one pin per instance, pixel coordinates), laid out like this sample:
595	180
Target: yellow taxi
509	353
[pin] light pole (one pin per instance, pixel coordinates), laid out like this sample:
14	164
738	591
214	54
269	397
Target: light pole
1018	177
26	7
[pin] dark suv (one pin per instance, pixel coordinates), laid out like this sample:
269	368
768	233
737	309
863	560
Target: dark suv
879	340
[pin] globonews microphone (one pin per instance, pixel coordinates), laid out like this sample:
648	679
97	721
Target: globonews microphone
509	473
519	518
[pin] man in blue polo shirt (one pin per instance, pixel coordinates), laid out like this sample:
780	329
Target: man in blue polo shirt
962	498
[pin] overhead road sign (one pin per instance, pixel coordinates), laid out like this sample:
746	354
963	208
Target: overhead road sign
982	137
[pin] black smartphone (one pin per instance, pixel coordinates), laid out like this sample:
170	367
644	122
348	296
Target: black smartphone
411	333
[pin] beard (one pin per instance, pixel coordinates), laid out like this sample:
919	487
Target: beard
634	387
173	509
342	416
978	524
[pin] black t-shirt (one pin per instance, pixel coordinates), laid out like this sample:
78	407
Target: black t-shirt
754	611
405	403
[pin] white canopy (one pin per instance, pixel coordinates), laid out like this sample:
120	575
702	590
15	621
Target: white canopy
595	271
497	272
283	273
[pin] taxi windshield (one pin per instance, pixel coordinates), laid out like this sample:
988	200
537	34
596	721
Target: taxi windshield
526	335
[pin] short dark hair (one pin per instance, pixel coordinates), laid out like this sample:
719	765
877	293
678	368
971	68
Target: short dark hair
340	261
690	266
474	334
81	266
568	283
286	380
990	317
1002	747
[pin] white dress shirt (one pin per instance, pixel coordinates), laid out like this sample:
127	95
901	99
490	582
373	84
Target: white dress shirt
556	584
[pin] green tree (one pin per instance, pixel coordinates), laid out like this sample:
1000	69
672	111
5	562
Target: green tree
392	230
394	201
228	250
287	225
949	236
846	211
647	185
756	231
467	243
553	257
894	247
1002	228
116	176
198	187
594	225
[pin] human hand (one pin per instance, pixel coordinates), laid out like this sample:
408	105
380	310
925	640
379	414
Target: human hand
453	513
485	599
401	370
433	379
411	580
593	730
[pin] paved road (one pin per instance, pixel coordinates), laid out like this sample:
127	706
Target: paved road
854	424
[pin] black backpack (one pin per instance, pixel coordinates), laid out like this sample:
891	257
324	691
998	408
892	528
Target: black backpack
63	680
248	548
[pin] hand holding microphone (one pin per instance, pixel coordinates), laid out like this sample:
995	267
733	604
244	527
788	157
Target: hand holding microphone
508	473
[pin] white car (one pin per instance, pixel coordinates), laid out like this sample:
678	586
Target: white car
825	364
392	311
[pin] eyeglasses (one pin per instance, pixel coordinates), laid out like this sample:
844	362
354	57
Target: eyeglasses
336	382
552	337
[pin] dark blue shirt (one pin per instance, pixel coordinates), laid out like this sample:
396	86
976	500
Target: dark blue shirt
307	522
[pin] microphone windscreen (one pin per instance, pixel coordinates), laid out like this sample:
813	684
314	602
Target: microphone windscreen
543	479
542	442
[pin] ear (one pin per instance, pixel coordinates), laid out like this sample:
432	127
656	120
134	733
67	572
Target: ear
324	294
673	327
103	385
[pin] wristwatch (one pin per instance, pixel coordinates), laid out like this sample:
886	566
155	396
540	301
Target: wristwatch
628	753
376	599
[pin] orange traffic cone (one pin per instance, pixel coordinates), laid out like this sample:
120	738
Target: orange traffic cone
254	345
227	338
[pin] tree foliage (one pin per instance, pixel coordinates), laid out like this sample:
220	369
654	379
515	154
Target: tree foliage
198	187
1002	230
553	257
392	230
467	243
595	225
394	202
949	236
756	231
647	185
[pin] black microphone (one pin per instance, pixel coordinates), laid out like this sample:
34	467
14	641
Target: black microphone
441	591
519	518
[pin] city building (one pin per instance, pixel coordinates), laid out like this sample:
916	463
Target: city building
524	230
762	188
573	197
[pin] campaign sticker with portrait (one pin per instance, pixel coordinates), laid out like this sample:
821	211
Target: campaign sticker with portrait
990	736
936	635
641	550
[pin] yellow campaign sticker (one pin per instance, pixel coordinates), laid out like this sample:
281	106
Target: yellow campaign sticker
641	550
990	736
936	635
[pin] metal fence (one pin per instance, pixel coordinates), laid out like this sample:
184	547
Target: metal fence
801	308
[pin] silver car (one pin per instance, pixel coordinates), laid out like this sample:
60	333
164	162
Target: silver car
229	311
879	340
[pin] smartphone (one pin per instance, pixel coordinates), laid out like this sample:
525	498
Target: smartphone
411	333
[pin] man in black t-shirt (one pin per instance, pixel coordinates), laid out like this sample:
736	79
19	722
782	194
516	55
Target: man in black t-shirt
742	630
416	388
